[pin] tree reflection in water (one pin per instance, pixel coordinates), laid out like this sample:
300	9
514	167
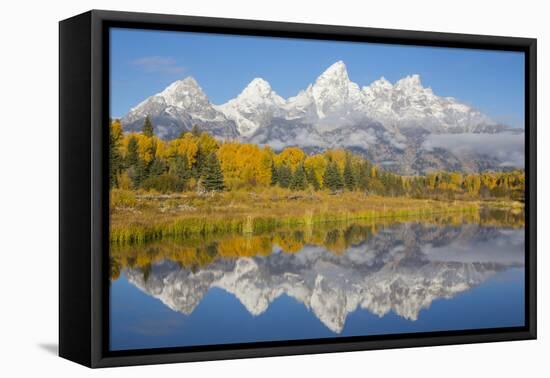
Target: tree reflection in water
332	269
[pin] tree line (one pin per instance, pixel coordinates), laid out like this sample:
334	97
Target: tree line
197	161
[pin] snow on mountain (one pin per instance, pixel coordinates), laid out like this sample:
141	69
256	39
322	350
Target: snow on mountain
408	104
332	101
254	107
403	270
176	109
391	124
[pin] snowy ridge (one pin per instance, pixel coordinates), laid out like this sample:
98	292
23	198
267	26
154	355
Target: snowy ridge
176	109
409	104
396	125
333	100
253	107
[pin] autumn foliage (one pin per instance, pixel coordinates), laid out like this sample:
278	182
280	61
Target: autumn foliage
196	161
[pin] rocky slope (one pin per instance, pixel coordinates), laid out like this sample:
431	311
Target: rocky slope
176	109
403	126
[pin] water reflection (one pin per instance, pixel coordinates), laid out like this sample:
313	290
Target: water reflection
332	270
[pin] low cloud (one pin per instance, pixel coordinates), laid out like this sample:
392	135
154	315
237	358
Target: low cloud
159	64
507	147
504	246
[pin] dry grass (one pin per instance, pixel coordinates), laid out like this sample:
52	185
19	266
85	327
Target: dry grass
197	250
140	217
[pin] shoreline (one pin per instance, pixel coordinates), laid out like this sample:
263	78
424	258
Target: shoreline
156	217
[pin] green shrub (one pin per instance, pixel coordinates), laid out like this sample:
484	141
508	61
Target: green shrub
164	183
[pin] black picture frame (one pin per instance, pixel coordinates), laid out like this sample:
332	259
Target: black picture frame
83	195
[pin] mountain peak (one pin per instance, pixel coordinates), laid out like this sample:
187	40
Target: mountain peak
255	106
336	71
190	80
184	93
257	87
333	110
381	83
188	83
335	97
258	91
259	82
410	82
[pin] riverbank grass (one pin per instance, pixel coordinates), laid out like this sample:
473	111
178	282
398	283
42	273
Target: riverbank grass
138	217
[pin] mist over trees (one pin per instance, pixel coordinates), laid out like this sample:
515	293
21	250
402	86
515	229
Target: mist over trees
196	161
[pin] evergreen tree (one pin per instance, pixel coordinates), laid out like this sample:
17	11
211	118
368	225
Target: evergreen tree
140	173
274	174
376	186
197	170
312	179
148	127
138	162
338	181
180	168
157	167
212	175
384	179
116	162
332	178
298	180
164	183
132	154
363	176
284	176
349	179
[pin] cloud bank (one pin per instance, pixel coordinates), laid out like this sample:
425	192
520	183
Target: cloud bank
508	147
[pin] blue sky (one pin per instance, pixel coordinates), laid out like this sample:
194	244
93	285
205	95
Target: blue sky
144	62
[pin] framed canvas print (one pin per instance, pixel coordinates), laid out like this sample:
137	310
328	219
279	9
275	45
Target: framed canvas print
234	188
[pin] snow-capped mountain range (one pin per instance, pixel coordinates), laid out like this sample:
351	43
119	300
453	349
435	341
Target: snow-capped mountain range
392	124
401	270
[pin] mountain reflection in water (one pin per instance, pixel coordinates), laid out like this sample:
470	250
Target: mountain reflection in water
331	271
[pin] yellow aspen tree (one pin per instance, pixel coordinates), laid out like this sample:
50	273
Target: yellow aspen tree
290	156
